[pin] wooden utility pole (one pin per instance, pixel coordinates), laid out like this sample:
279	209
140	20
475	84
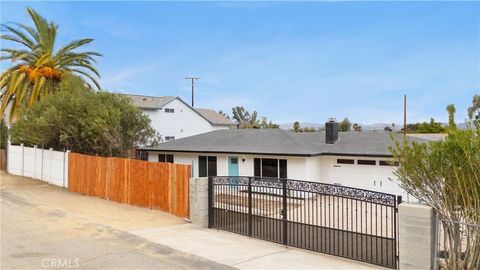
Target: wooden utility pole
193	88
404	116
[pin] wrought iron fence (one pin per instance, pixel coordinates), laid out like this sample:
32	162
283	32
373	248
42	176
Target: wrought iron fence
458	245
338	220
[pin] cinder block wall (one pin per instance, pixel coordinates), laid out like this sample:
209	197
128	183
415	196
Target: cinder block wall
199	201
417	228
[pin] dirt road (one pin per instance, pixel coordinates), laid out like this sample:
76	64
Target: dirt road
46	227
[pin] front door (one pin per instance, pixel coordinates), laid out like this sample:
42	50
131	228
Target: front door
233	166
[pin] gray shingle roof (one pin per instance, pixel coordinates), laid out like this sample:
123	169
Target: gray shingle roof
283	142
214	117
149	102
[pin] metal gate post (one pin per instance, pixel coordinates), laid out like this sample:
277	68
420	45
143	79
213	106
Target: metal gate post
395	237
284	212
250	206
210	202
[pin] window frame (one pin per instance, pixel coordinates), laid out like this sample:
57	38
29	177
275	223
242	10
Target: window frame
345	161
282	173
388	163
367	162
207	160
166	158
169	138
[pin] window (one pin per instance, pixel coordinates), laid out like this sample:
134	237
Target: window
268	167
257	171
283	168
165	158
345	161
366	162
207	166
388	163
169	138
169	110
142	155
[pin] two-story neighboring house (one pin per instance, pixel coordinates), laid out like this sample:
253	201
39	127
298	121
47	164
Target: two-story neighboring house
174	119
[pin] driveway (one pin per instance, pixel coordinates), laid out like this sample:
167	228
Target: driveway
43	226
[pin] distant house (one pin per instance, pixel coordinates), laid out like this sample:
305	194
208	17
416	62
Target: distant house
174	119
356	159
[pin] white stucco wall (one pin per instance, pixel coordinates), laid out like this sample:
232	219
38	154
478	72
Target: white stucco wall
319	169
182	123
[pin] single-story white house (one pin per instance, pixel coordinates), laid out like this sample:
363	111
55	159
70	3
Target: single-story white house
356	159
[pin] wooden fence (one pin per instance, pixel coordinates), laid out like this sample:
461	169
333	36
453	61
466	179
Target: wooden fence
155	185
3	159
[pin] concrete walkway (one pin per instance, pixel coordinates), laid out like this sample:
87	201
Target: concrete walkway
242	252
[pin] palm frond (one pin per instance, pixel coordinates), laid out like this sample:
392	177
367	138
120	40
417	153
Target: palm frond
26	40
73	45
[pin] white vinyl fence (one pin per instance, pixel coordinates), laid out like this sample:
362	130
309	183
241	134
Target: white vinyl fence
43	164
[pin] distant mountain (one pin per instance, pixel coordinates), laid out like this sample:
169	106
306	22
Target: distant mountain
288	126
370	127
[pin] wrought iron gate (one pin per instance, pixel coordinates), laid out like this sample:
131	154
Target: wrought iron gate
343	221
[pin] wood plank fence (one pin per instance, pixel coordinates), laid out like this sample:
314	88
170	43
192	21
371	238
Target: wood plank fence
154	185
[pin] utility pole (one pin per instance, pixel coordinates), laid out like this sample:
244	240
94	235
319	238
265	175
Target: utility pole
404	116
193	88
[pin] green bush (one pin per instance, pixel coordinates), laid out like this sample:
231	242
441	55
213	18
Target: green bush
446	175
83	121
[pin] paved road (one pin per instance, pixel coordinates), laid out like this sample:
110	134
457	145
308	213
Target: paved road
46	227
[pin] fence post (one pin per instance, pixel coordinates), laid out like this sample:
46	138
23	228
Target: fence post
250	206
416	236
284	212
65	166
210	202
50	150
41	168
34	161
23	159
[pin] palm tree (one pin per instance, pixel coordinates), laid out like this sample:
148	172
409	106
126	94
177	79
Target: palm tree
37	68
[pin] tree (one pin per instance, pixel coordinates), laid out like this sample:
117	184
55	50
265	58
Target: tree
224	114
37	69
345	125
474	110
3	134
357	127
296	126
451	116
425	127
265	123
244	119
445	175
83	121
431	127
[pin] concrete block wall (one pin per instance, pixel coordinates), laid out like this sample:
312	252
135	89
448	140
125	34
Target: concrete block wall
199	201
417	228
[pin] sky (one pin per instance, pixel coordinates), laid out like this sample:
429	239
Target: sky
290	61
